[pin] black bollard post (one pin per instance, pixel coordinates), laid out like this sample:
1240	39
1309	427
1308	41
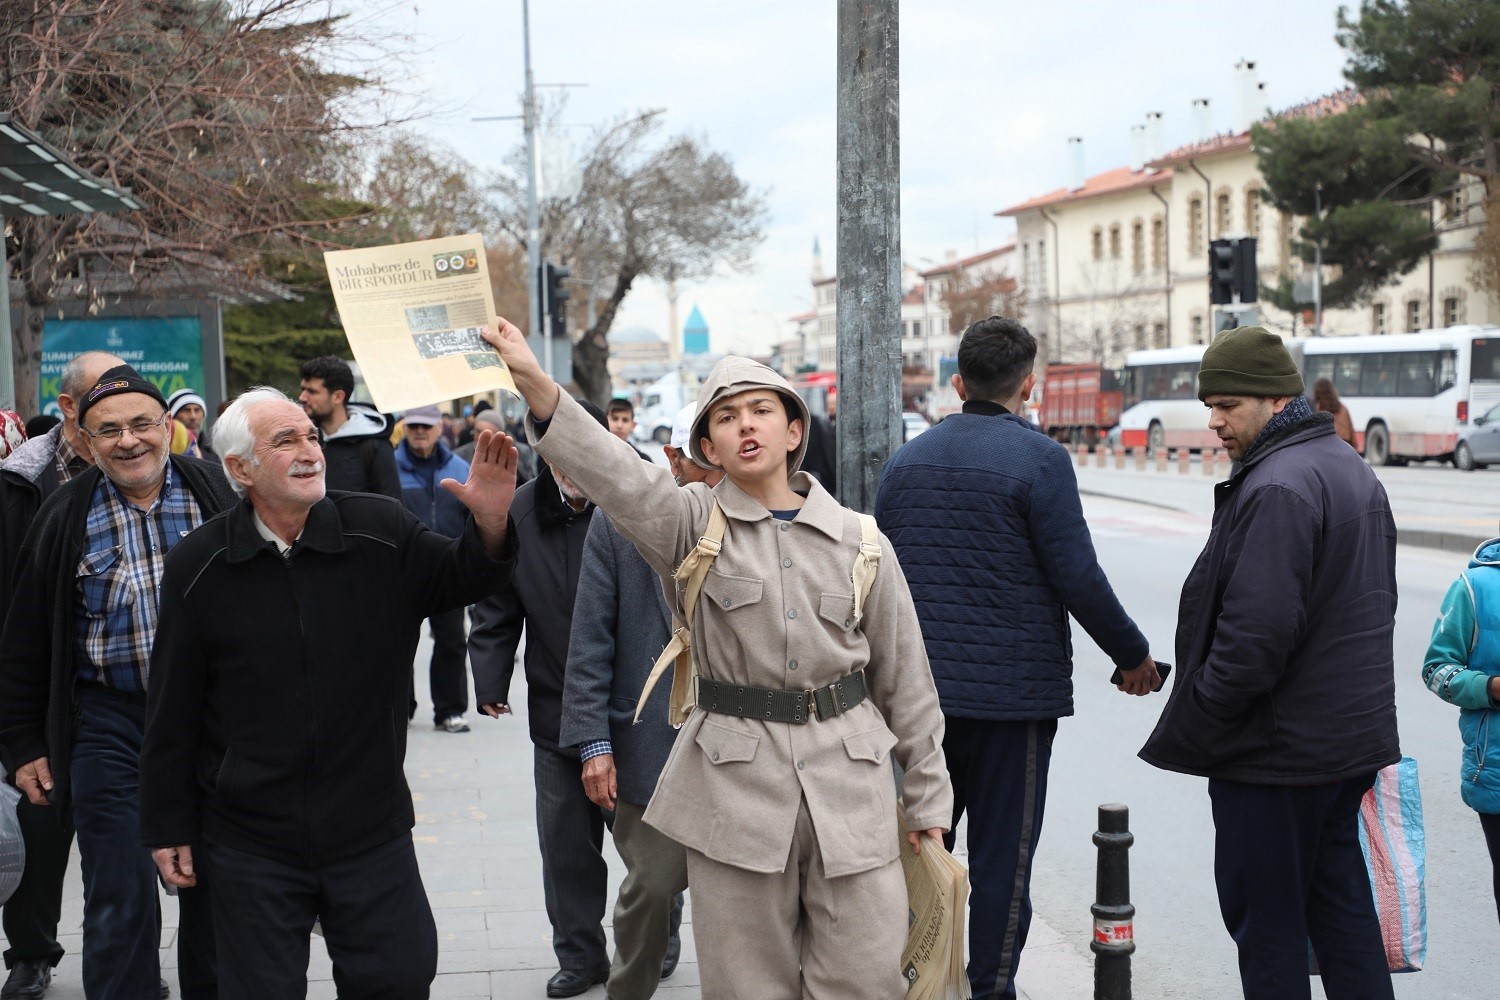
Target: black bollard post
1114	917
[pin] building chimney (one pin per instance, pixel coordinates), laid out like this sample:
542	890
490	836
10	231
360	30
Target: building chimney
1202	120
1247	95
1137	148
1075	163
1155	137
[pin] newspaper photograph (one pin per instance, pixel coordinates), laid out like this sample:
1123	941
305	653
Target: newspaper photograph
412	313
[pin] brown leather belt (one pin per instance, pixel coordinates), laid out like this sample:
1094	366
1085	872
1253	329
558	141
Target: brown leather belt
777	705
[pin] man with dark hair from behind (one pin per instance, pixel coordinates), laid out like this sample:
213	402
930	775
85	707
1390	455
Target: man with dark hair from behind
984	515
357	451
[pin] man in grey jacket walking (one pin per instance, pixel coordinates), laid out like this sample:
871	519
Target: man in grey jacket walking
621	623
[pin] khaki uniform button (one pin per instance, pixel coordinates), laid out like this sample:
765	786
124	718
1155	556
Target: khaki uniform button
792	613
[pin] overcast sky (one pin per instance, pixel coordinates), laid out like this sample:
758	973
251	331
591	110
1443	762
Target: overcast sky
990	91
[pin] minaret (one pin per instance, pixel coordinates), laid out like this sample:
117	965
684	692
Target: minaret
817	263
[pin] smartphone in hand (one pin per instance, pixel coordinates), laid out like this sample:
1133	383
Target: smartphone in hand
1163	668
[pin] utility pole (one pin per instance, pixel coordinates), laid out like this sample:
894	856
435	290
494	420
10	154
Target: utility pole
533	225
869	246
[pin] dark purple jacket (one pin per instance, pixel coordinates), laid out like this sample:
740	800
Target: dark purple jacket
1285	668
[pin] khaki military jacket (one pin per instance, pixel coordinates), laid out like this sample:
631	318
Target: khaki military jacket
777	611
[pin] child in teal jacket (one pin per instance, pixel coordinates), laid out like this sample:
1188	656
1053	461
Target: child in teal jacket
1463	669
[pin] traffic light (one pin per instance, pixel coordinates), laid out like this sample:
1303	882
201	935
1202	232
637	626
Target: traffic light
1221	272
1232	274
555	296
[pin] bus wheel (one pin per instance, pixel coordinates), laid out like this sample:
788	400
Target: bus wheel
662	435
1156	440
1377	445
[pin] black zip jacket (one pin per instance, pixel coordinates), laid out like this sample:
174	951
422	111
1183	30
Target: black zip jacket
276	719
549	537
1286	671
36	652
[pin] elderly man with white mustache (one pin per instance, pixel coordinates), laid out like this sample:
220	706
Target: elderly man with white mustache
74	673
276	726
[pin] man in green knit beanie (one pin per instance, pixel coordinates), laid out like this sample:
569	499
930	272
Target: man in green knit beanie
1247	378
1285	696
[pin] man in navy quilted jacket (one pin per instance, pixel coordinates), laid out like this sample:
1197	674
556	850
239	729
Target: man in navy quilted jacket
984	515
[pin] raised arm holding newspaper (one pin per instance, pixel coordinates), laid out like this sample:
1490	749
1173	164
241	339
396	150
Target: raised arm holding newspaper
780	783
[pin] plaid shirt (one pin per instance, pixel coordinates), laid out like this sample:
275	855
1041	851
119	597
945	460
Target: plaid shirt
69	463
124	551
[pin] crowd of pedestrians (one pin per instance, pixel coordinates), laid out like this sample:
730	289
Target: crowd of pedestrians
206	674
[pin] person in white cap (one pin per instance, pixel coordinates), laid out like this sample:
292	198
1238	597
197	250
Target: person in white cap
188	410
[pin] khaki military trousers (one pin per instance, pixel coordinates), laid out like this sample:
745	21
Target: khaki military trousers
798	933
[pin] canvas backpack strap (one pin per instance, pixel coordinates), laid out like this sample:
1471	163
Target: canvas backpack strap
866	564
679	652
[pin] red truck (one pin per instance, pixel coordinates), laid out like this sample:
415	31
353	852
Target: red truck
1080	403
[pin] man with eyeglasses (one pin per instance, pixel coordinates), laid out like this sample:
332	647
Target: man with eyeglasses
73	673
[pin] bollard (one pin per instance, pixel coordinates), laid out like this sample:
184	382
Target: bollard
1140	459
1184	460
1210	460
1083	455
1114	917
1100	453
1119	458
1161	460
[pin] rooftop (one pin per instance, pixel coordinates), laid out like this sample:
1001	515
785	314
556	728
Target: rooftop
966	262
1116	181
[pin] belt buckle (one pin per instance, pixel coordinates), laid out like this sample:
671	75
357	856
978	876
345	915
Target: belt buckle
825	705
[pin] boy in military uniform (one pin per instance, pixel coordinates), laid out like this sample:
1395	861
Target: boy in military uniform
779	784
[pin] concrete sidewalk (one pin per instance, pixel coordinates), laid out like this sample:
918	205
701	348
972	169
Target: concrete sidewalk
476	839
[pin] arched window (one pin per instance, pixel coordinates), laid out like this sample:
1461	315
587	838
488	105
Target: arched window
1252	211
1138	247
1098	243
1222	217
1114	241
1195	224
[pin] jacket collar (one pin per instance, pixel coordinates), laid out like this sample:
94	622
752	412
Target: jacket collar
821	511
1316	426
324	531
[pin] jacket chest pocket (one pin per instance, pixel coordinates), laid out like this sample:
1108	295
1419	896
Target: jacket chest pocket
105	586
730	593
838	611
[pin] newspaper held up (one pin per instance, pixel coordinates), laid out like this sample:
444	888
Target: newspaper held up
412	313
937	893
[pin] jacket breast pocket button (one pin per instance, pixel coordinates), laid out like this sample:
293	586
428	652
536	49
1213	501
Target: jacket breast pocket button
727	602
714	755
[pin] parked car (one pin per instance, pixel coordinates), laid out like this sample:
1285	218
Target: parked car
1479	442
913	424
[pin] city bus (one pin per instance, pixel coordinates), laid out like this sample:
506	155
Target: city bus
1161	407
1408	394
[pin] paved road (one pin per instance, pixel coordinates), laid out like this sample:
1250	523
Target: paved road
1184	952
1429	499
